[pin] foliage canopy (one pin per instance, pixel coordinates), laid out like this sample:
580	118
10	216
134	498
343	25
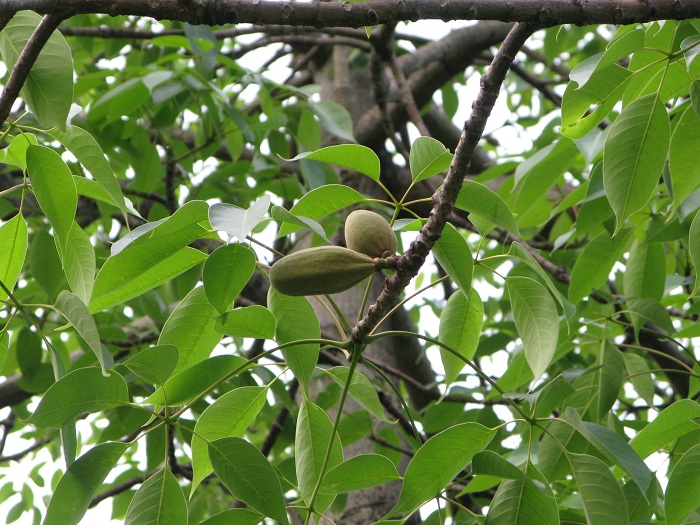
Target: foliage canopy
539	368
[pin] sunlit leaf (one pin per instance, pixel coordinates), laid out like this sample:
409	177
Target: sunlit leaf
536	319
461	321
158	500
13	250
81	482
635	154
237	222
437	462
82	390
226	272
358	473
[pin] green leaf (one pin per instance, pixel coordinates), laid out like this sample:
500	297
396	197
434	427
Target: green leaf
81	482
492	464
321	202
191	329
79	316
334	117
225	274
523	501
251	321
361	389
645	271
481	201
685	141
461	321
82	390
279	213
358	473
13	250
595	263
603	500
235	221
89	153
584	107
613	447
694	250
437	462
640	376
635	154
195	380
518	250
48	89
153	258
428	157
158	500
351	156
16	153
228	416
249	476
154	364
296	319
237	516
682	495
53	187
453	253
671	423
536	319
313	435
79	263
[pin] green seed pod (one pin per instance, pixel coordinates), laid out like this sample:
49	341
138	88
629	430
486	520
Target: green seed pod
369	233
318	271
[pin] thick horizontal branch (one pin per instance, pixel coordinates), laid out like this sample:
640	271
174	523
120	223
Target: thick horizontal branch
357	14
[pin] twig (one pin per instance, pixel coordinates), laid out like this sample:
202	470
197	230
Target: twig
19	455
122	487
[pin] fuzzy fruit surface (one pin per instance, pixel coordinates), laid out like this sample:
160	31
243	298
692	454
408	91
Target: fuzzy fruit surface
321	270
369	233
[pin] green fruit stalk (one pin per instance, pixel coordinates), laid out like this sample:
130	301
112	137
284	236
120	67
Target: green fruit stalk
369	233
321	270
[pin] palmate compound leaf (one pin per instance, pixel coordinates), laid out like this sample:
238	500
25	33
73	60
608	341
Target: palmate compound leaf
249	476
437	462
536	319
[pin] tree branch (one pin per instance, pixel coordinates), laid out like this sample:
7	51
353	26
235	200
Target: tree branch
348	14
411	261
